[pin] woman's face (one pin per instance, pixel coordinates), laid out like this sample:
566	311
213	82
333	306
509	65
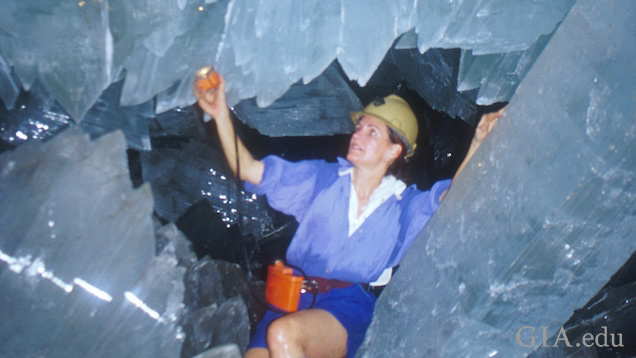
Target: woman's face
370	144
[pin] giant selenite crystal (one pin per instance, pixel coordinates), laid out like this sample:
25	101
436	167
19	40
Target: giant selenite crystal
38	116
261	47
320	107
184	169
9	89
543	215
497	75
434	76
78	272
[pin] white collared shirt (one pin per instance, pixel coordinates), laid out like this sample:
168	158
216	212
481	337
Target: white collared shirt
388	187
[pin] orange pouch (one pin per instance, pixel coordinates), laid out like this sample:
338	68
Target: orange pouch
283	287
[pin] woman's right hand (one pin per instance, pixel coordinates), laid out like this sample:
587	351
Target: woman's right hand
213	102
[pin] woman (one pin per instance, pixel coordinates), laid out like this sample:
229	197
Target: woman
355	223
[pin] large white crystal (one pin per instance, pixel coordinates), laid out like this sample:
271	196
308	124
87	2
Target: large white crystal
77	49
78	271
542	216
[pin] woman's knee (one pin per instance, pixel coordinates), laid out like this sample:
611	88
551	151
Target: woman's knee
283	335
314	333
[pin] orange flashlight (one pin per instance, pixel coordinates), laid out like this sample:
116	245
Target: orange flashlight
207	79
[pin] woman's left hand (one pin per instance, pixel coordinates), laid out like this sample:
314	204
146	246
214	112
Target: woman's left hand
486	124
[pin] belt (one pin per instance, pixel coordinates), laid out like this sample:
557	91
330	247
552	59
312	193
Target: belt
314	284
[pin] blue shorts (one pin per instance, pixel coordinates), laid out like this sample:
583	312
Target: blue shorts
352	306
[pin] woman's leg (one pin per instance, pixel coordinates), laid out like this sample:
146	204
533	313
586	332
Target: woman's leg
334	327
257	353
309	333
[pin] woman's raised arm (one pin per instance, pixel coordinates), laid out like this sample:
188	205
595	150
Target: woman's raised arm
214	104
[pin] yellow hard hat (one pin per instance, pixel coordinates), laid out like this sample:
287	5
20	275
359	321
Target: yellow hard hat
398	115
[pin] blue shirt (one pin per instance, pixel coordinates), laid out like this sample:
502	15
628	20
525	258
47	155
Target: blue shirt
314	193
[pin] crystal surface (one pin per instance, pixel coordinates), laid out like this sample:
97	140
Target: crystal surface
224	351
172	242
321	107
9	86
78	270
107	115
217	326
497	75
44	44
185	169
231	324
608	318
212	282
36	117
203	285
542	216
261	47
434	76
485	26
362	46
163	62
216	309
